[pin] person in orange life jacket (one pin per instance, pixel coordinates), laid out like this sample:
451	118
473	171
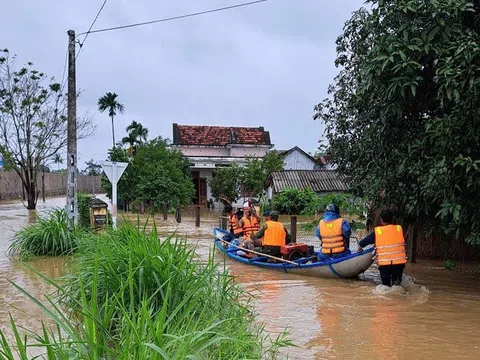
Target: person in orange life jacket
390	249
248	221
253	218
271	236
233	224
334	233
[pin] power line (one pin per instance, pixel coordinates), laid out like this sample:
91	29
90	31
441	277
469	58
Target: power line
175	17
90	29
64	80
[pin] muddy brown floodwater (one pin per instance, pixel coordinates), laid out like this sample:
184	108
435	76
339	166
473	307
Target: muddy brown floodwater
437	317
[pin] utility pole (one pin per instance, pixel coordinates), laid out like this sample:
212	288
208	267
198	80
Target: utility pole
72	205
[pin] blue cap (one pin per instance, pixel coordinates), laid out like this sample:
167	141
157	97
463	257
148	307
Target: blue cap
266	213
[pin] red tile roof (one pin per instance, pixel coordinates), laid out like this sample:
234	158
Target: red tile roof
219	135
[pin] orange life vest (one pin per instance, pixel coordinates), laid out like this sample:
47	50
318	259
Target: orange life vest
255	224
247	228
332	237
233	223
275	234
390	245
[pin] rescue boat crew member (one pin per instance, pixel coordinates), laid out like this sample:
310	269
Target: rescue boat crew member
334	233
390	249
234	227
246	224
272	235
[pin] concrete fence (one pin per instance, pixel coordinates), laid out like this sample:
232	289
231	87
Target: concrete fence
55	185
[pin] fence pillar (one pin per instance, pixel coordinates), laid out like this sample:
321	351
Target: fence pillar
293	228
197	216
165	211
223	223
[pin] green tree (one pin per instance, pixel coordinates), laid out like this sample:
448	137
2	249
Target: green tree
256	170
57	159
402	117
33	123
137	135
109	102
293	201
225	183
154	176
93	168
162	175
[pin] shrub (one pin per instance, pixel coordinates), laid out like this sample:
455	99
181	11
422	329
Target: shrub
49	236
131	296
293	201
84	209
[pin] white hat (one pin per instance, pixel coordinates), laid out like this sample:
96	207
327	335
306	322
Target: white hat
246	205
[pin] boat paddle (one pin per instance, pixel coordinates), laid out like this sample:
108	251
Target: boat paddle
259	253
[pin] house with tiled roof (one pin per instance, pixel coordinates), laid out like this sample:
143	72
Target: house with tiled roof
210	147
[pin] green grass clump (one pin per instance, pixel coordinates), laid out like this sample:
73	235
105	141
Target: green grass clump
49	236
132	296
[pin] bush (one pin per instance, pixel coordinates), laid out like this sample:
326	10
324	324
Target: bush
293	201
131	296
84	209
347	203
47	237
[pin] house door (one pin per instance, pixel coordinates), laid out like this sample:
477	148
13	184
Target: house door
202	191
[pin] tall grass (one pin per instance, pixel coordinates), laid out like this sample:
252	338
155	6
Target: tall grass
131	296
49	236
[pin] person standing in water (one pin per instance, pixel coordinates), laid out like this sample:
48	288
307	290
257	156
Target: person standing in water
390	249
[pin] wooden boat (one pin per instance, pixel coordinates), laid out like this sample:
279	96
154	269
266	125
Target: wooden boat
348	266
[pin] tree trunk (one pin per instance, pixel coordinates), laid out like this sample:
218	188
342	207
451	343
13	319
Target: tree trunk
113	133
31	197
43	186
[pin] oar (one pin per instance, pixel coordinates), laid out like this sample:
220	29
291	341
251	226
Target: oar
261	254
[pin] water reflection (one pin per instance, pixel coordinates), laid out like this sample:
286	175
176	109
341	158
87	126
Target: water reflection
436	318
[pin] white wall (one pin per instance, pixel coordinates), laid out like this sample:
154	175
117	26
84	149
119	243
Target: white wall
204	151
298	161
207	174
238	151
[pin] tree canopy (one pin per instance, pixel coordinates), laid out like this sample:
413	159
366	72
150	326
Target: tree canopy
33	122
402	119
256	170
229	183
225	183
155	175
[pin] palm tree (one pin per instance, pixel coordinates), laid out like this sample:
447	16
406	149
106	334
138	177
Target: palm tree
139	130
137	134
109	102
58	160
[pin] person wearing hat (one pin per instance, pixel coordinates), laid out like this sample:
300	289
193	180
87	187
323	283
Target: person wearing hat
334	233
250	221
271	236
266	215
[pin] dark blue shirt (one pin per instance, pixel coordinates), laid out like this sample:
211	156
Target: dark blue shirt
368	240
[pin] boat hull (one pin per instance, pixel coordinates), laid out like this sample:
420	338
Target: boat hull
349	266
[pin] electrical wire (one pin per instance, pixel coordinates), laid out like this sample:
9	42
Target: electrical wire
174	17
90	29
64	79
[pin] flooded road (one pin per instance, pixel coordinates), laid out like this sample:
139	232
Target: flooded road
436	318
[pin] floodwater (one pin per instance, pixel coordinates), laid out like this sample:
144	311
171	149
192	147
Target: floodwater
436	317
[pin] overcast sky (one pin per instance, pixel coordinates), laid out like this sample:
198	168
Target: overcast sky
262	65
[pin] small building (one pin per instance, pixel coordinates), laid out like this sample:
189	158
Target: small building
320	181
210	147
297	159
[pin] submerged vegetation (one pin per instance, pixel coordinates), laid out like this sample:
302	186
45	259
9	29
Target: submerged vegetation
49	236
131	296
